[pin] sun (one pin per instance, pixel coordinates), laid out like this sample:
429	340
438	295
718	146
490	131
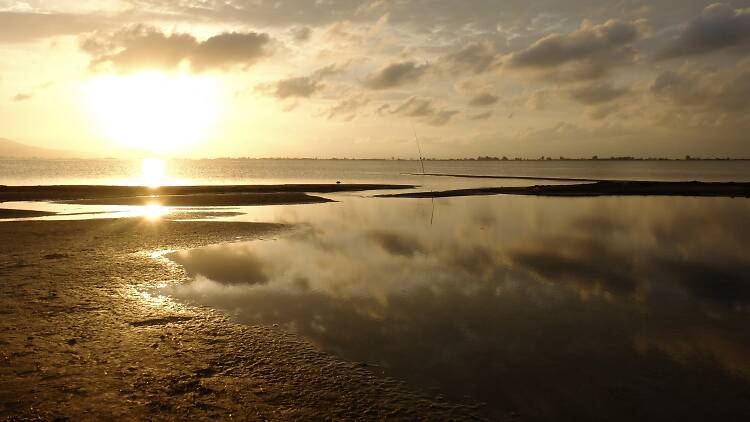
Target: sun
155	111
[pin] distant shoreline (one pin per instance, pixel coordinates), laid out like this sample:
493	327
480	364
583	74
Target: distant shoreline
478	159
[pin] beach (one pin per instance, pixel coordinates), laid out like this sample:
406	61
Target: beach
81	341
327	301
374	210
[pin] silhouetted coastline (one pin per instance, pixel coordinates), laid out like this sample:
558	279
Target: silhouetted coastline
604	188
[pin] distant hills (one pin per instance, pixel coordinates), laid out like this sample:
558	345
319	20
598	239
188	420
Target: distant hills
11	149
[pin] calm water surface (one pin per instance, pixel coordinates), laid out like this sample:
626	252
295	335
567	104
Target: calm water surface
222	171
610	308
631	308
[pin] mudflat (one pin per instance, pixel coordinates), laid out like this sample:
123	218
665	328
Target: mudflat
82	339
184	196
14	213
208	199
77	192
604	188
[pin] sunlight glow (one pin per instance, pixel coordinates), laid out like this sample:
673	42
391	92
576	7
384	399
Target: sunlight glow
153	172
153	211
153	300
154	111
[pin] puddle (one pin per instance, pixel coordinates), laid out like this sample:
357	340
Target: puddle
556	308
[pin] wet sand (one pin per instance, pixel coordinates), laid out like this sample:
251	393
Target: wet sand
13	213
607	188
81	341
183	196
99	192
210	199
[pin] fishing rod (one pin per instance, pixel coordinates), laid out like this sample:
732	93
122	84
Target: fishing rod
419	148
421	162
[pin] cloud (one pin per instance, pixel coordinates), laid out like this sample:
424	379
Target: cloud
476	57
31	92
601	112
301	86
277	13
504	20
26	26
540	99
424	108
417	107
143	47
230	49
715	91
718	27
588	52
540	58
584	43
442	117
480	116
585	264
395	75
484	99
224	264
597	93
690	346
301	33
347	109
22	96
396	243
330	70
138	47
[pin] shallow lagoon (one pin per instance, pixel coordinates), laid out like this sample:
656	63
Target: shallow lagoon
553	308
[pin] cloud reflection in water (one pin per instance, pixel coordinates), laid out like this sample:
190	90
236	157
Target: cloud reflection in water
581	308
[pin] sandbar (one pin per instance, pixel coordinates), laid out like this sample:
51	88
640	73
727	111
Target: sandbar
606	188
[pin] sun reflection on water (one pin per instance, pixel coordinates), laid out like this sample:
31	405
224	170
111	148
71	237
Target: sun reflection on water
151	299
153	172
153	211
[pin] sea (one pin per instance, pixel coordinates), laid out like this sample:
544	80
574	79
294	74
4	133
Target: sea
264	171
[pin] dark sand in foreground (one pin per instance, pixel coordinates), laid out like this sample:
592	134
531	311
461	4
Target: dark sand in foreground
80	340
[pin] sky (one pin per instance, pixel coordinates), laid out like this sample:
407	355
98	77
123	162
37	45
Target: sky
358	78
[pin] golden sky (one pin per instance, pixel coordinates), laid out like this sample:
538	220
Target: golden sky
349	78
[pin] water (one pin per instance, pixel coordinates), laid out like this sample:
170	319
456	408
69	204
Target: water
242	171
607	308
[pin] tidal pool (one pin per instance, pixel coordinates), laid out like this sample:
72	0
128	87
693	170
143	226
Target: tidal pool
612	308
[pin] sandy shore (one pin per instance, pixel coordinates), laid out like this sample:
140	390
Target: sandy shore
13	213
81	341
101	192
182	196
209	199
608	188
